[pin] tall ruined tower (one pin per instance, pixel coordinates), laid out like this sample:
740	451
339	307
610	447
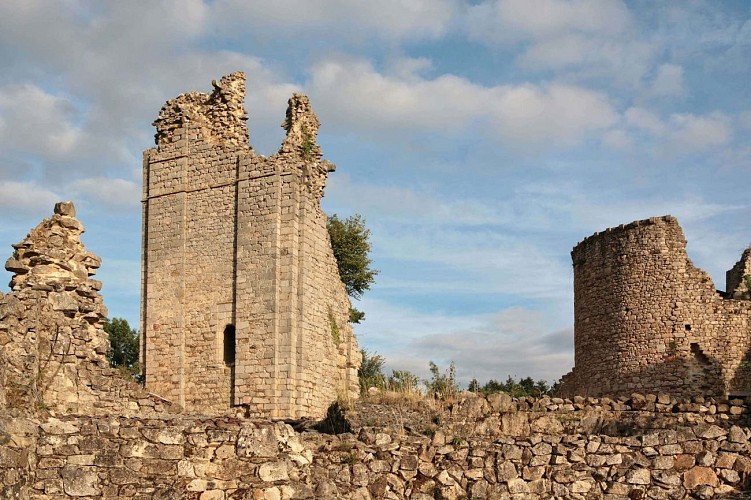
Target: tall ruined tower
242	303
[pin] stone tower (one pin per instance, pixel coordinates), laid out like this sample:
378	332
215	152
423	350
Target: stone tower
647	320
242	303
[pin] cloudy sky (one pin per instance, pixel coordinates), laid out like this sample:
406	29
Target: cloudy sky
481	140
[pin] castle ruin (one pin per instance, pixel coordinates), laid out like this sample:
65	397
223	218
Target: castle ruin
242	303
646	319
52	345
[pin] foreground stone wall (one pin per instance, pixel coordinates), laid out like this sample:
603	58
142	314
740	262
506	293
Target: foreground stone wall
646	319
480	448
52	345
242	303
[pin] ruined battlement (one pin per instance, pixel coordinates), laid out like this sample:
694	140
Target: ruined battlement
624	233
242	303
645	318
735	278
218	118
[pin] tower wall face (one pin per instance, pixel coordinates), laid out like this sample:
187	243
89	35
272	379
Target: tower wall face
233	239
646	319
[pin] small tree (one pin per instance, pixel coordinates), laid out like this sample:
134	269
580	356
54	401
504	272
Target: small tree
403	381
442	385
351	246
474	385
123	350
370	372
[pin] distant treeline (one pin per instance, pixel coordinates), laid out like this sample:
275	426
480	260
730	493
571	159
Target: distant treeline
440	384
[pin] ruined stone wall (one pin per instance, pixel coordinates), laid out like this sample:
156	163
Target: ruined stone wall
235	239
52	345
646	319
482	448
735	278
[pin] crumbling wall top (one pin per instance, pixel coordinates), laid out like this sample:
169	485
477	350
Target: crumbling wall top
666	220
737	286
301	125
220	116
52	256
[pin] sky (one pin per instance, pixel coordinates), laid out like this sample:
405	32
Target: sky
480	139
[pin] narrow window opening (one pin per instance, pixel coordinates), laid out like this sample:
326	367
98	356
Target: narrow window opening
229	344
688	327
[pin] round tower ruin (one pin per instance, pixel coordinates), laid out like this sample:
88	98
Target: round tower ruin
646	319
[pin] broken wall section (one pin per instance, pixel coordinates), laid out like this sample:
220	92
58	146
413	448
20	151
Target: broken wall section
647	320
53	355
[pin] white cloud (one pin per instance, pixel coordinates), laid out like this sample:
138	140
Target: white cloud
618	139
509	20
644	119
537	115
578	39
35	122
354	19
112	193
522	115
691	133
745	119
513	341
375	100
668	81
26	198
682	133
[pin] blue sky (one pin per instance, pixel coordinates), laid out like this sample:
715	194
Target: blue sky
480	139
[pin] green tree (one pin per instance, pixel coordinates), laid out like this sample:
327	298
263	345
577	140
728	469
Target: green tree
443	385
351	246
403	381
474	385
123	350
493	386
370	372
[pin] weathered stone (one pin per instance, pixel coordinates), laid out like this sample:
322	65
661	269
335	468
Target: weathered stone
699	475
730	476
638	476
737	435
506	471
547	425
80	481
517	485
501	402
273	471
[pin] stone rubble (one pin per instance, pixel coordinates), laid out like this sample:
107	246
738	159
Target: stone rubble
52	345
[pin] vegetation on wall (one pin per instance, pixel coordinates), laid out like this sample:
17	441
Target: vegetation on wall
351	246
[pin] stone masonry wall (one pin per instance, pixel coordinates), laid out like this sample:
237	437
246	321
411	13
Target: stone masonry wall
234	239
736	285
480	448
52	346
646	319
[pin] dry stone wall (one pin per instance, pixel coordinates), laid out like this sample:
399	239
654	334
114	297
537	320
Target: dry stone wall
481	448
646	319
242	303
53	348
